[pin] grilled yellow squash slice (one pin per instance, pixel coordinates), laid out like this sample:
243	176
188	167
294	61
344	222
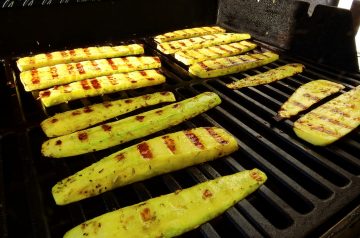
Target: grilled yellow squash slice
188	33
115	133
330	121
144	160
200	42
175	213
99	86
307	95
74	120
268	76
46	77
77	55
230	65
189	57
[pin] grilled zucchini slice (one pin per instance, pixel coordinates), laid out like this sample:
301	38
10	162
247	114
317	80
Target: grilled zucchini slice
189	57
268	76
231	65
115	133
99	86
188	33
330	121
200	42
307	95
46	77
77	55
175	213
74	120
144	160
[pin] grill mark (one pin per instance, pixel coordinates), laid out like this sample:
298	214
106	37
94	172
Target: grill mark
331	120
106	127
107	104
215	52
143	73
144	150
222	48
119	156
170	143
231	61
204	66
88	110
322	129
44	94
82	136
75	113
49	56
96	66
95	83
112	80
238	48
86	51
64	54
337	111
140	118
72	52
182	44
54	120
128	101
80	68
194	139
85	84
112	64
192	40
312	97
172	46
35	76
298	104
53	71
31	60
216	136
58	142
70	68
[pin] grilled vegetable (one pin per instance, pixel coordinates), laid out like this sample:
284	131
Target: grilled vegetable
175	213
115	133
330	121
144	160
307	95
77	55
100	86
187	33
46	77
74	120
189	57
230	65
268	77
200	42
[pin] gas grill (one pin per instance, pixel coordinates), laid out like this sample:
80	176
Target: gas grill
310	192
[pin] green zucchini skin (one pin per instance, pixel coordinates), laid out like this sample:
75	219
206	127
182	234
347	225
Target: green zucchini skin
144	160
175	213
115	133
70	121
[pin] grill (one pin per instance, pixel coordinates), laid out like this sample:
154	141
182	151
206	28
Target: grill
309	189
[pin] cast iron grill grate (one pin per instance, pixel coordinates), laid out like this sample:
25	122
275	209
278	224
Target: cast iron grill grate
307	185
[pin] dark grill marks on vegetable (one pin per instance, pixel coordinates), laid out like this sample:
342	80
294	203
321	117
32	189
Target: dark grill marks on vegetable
146	97
119	157
159	112
58	142
75	113
80	68
128	101
256	176
45	93
72	52
165	93
49	56
140	118
146	214
112	80
106	127
107	104
88	109
95	83
144	150
312	97
35	76
170	143
298	104
54	120
112	64
331	120
53	71
143	73
85	84
64	54
150	79
96	66
320	128
176	105
86	51
70	68
204	66
216	136
82	136
336	111
194	139
207	194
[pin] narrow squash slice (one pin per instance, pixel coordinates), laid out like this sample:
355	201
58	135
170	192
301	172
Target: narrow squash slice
115	133
230	65
189	57
46	77
81	118
268	77
200	42
307	95
175	213
144	160
332	120
77	55
99	86
188	33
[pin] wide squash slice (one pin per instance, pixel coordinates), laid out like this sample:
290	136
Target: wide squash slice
77	55
115	133
46	77
156	156
188	33
81	118
307	95
189	57
332	120
200	42
175	213
230	65
268	77
100	85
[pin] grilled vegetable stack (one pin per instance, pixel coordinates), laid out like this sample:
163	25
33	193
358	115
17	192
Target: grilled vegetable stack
332	120
144	160
175	213
118	132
